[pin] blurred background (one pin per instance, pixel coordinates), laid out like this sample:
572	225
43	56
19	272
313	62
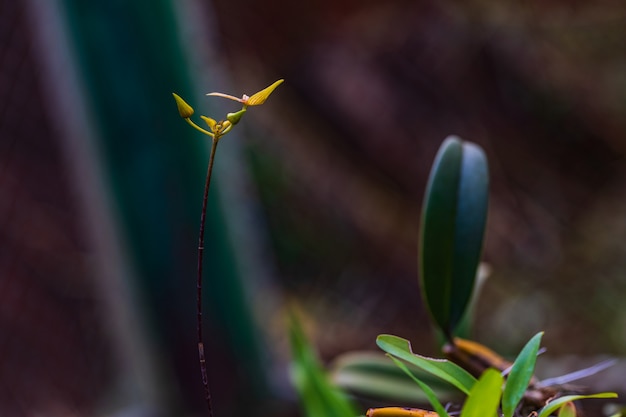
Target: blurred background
317	193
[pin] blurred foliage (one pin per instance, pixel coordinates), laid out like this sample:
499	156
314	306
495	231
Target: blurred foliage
317	395
373	87
372	375
341	168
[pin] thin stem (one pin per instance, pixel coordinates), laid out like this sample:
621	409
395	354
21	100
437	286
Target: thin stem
195	126
201	356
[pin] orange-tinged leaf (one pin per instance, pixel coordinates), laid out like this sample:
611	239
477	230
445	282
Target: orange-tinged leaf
400	412
474	357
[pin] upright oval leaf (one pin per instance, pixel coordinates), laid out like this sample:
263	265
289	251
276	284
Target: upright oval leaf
484	398
520	375
453	223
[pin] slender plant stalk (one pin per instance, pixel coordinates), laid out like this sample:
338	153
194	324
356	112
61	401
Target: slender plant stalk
201	356
218	129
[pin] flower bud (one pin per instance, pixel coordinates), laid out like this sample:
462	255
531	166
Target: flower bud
184	109
255	99
210	122
261	96
235	117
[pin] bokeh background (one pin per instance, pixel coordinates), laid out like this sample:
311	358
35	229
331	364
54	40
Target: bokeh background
317	196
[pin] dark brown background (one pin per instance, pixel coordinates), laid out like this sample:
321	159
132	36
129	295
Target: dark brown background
339	157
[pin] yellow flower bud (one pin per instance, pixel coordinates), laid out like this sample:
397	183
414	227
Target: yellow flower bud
261	96
210	122
255	99
184	109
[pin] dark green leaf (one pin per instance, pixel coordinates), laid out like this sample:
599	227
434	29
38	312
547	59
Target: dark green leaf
453	223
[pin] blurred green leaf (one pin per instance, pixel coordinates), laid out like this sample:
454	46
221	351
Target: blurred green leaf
453	223
373	375
430	394
319	397
442	368
568	410
520	375
554	405
484	399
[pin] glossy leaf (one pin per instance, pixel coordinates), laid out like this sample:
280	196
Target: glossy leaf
520	375
430	394
554	405
484	398
442	368
453	223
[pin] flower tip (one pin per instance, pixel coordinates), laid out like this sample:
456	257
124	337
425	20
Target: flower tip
261	96
210	122
184	109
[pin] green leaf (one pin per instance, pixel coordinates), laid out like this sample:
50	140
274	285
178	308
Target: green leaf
373	375
568	410
318	396
484	398
552	406
453	223
520	375
442	368
430	394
